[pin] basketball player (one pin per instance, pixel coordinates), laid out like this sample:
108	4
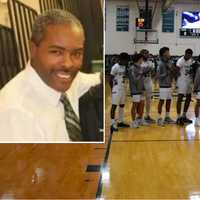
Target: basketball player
184	85
165	74
136	81
117	83
148	64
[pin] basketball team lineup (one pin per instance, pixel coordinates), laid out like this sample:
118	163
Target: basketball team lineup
141	72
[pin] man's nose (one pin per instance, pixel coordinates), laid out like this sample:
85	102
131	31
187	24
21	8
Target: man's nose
68	62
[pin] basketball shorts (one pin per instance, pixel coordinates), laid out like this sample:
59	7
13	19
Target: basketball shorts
184	86
118	97
165	93
137	98
148	87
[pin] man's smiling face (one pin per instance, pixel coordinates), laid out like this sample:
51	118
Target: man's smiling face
58	57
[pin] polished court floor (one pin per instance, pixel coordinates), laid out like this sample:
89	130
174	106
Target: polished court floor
50	171
153	162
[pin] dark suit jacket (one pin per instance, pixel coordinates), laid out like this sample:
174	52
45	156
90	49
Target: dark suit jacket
91	114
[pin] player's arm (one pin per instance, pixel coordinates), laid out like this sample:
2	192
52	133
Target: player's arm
111	80
178	67
146	70
112	76
197	80
162	73
177	70
172	70
151	65
138	74
131	78
154	68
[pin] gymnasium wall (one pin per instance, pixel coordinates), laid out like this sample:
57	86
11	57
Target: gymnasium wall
117	42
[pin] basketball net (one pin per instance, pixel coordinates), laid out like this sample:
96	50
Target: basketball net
152	4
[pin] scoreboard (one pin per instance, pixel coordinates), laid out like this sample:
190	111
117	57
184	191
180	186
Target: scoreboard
140	23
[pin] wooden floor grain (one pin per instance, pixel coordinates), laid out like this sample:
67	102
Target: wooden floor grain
46	171
153	162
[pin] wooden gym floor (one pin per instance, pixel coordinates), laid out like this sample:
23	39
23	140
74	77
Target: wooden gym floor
152	162
51	171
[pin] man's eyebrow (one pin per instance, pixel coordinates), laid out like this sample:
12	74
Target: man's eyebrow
56	47
79	49
63	48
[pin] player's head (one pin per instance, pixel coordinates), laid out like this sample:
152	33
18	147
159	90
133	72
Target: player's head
123	58
188	54
138	58
164	53
151	55
145	53
114	59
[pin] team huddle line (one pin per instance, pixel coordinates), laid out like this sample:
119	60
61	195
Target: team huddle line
140	70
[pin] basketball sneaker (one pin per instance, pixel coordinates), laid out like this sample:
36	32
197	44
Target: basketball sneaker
179	121
186	120
134	124
150	120
160	122
122	124
169	120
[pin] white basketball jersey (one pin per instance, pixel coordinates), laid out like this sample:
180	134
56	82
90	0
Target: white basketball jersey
118	71
148	64
184	66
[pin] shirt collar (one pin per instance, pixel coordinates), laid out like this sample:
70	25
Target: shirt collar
44	90
121	65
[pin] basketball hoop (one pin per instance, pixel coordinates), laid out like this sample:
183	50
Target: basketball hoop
145	34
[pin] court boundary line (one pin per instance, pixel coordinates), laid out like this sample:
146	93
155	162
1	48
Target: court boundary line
103	166
105	162
185	140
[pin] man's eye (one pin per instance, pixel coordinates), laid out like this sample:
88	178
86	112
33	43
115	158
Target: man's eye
77	54
56	52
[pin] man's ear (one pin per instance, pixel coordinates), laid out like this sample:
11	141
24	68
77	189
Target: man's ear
33	48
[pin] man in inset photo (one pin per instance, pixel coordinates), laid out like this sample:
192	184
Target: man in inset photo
45	101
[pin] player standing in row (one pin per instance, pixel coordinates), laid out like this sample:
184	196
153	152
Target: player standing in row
117	83
136	81
165	75
148	65
184	84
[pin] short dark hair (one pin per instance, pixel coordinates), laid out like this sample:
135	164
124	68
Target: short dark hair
163	50
137	57
189	51
123	56
52	17
144	51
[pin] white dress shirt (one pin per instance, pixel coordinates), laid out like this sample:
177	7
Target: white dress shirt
31	111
